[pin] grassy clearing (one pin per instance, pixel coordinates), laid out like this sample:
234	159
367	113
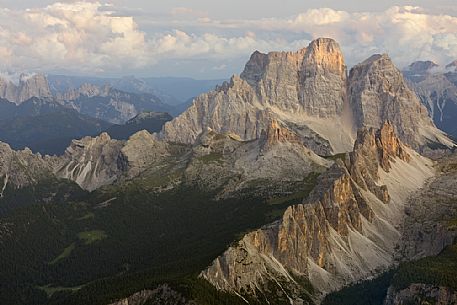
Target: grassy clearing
452	224
65	253
211	158
89	237
341	156
88	216
49	290
297	197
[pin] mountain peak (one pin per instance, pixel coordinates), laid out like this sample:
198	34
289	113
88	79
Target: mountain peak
325	52
422	66
452	66
377	59
28	86
379	93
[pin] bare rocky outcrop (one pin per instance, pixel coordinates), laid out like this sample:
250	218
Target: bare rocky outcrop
223	161
21	168
29	86
323	79
311	80
344	232
428	228
378	92
140	151
90	162
88	90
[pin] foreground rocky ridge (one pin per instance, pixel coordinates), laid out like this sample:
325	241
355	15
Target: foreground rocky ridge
346	231
21	168
216	161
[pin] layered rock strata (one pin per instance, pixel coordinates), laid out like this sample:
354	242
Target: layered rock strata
344	232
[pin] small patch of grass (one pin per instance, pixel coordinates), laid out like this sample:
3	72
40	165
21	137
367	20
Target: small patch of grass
65	253
298	197
220	136
341	156
212	157
88	216
452	224
49	290
436	145
89	237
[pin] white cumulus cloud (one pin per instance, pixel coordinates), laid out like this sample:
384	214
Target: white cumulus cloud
91	37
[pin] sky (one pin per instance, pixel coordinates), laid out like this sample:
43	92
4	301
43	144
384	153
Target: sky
209	39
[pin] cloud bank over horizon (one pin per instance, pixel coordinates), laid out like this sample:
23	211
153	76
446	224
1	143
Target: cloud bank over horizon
102	39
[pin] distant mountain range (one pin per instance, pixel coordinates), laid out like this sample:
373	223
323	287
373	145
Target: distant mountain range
115	100
48	127
45	113
170	90
44	125
150	121
437	88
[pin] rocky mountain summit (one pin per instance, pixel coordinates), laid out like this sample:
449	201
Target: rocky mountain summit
21	168
280	85
308	91
378	93
347	229
28	86
437	90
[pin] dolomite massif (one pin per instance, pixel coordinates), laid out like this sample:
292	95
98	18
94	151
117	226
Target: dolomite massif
27	87
310	93
347	230
287	117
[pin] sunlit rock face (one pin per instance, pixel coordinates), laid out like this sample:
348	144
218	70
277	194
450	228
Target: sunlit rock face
304	90
379	93
309	92
345	231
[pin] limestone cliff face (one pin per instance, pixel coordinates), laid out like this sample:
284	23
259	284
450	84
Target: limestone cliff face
90	162
345	231
29	86
422	294
306	90
21	168
323	79
310	93
311	80
378	92
140	151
